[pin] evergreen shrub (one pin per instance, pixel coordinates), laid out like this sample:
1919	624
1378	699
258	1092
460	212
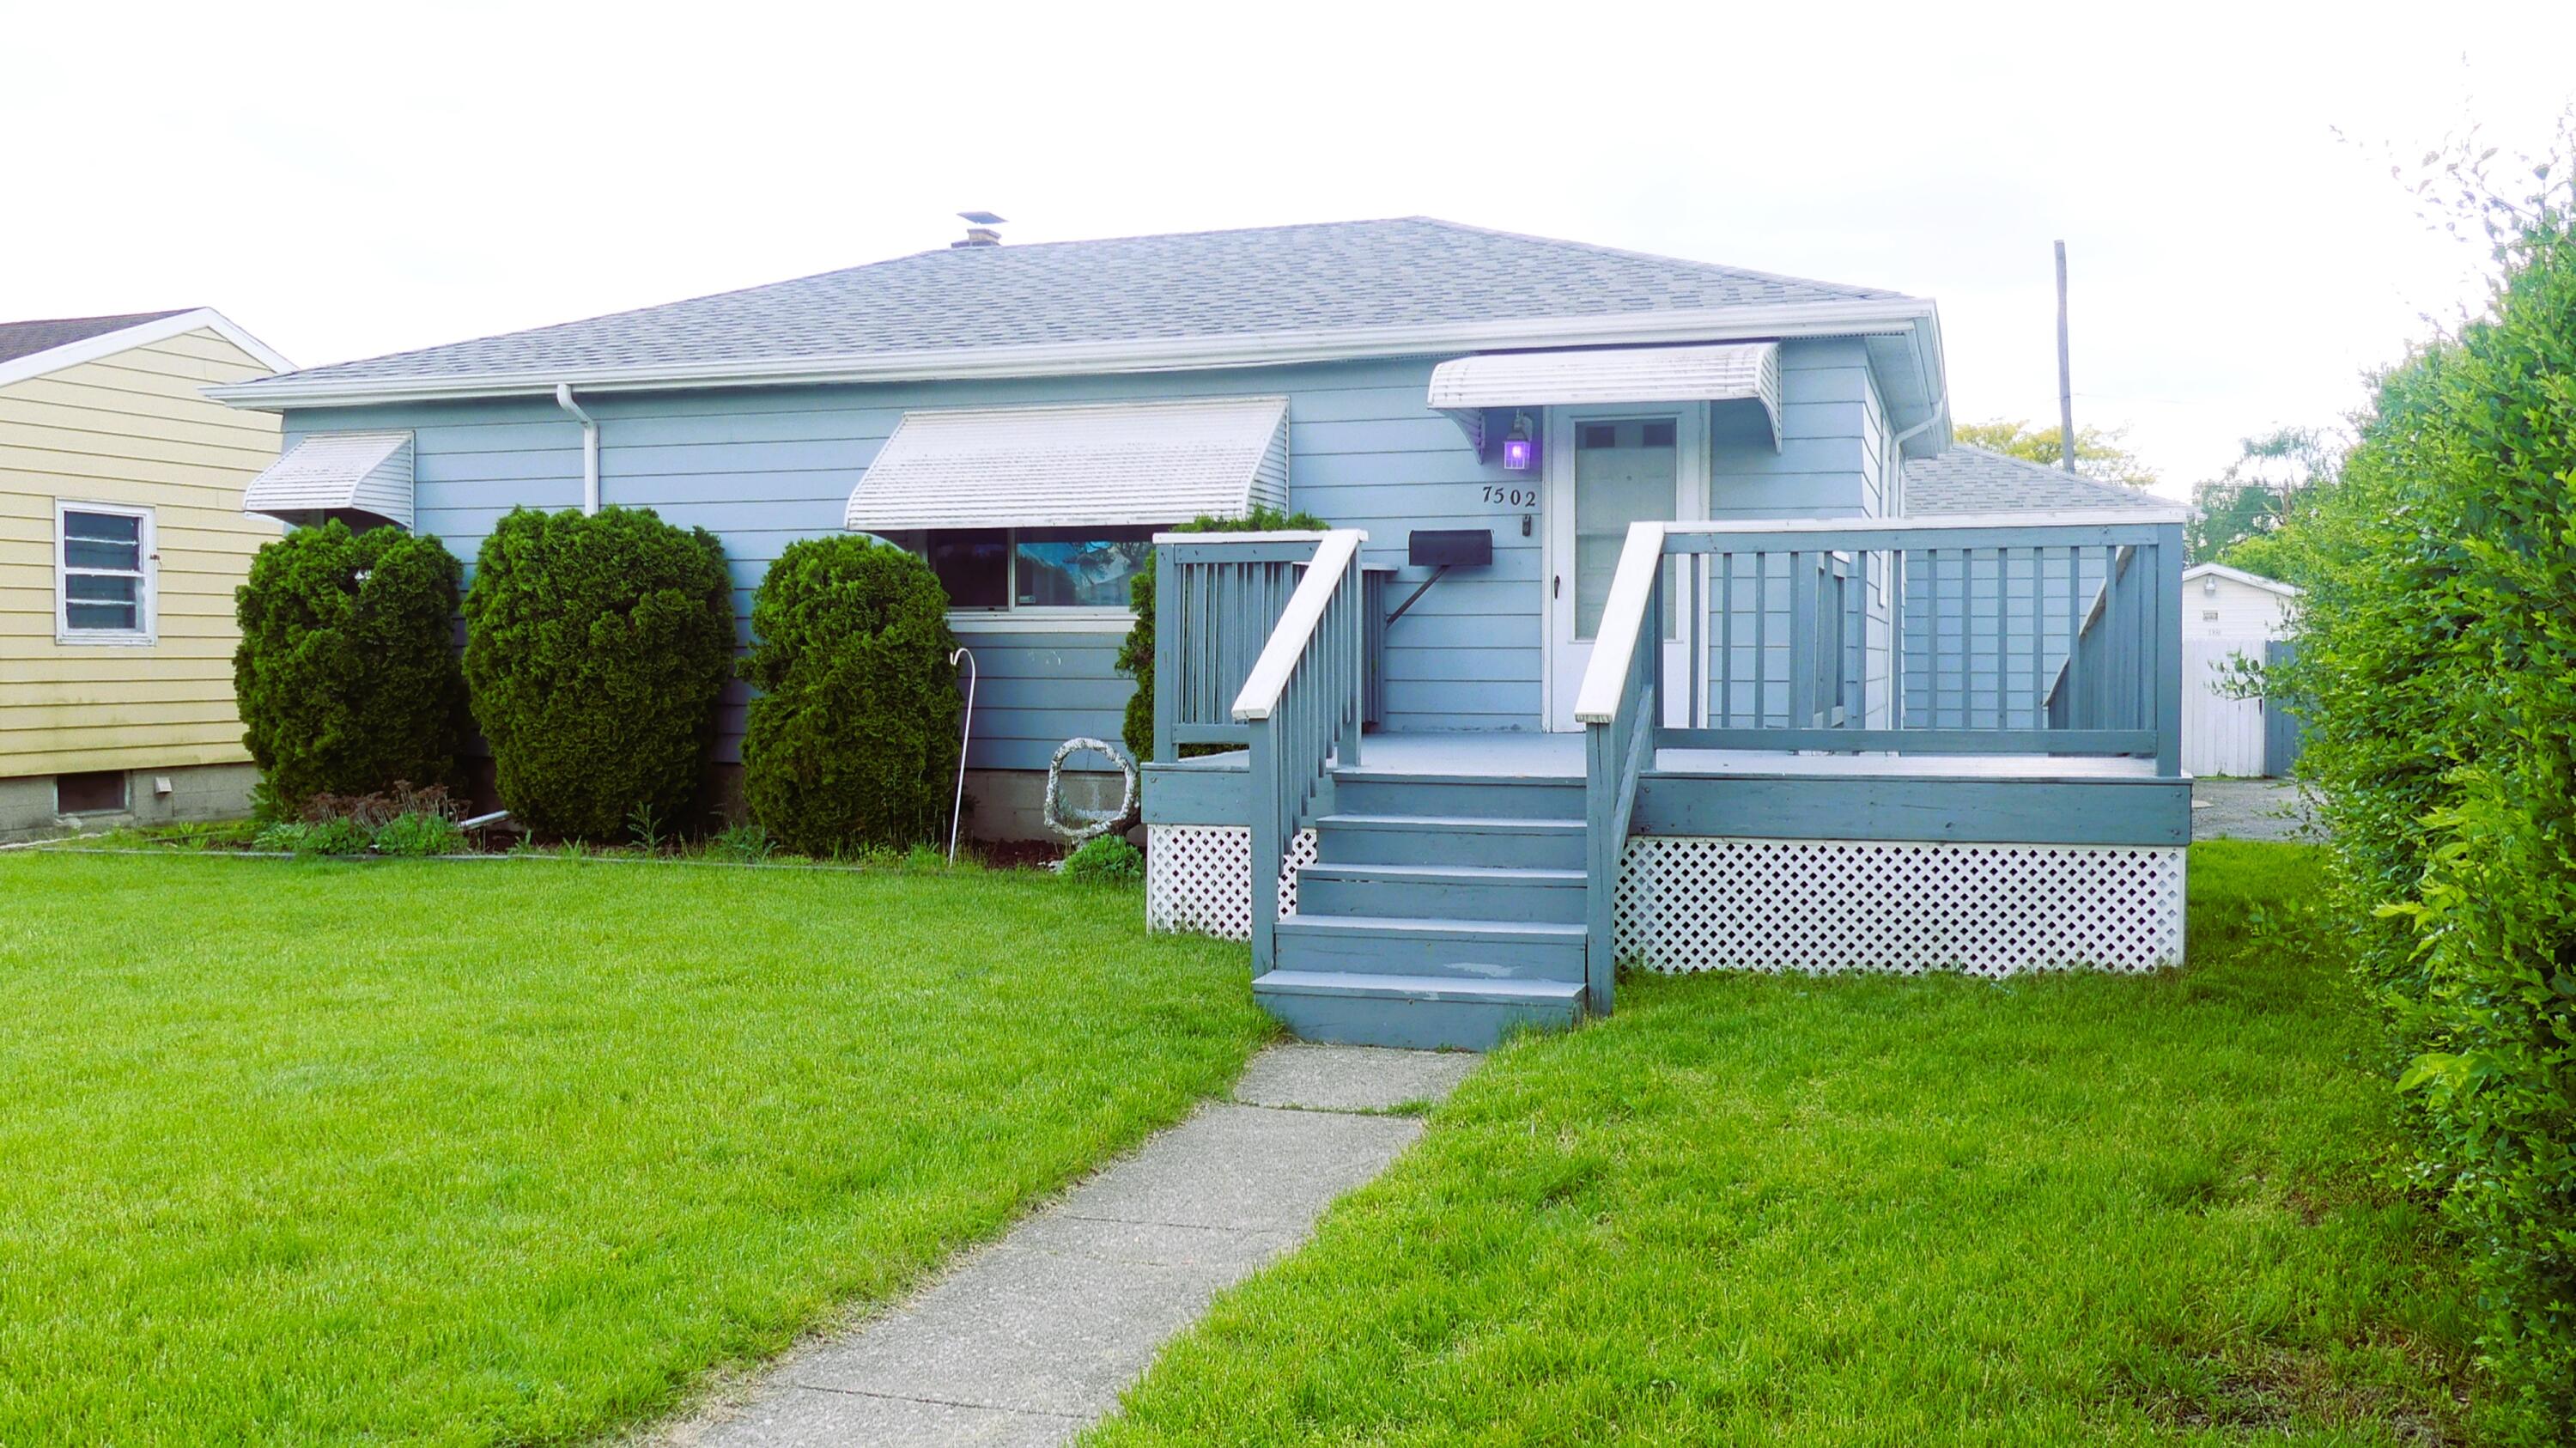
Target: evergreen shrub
596	647
852	740
346	675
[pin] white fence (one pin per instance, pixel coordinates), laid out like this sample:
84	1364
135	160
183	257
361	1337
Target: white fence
2220	735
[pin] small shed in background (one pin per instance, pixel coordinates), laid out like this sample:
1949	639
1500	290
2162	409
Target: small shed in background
2228	613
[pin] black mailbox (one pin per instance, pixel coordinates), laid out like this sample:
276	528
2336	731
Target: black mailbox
1450	548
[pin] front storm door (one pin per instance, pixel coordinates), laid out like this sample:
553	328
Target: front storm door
1605	472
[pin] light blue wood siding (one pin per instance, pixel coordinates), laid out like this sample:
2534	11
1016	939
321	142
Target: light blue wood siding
1835	459
762	467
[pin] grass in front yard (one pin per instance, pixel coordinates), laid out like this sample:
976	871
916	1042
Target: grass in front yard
518	1151
1790	1209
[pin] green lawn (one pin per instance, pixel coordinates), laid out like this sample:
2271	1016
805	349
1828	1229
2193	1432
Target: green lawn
517	1151
1871	1210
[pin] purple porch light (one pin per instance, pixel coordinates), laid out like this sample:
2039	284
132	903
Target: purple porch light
1520	450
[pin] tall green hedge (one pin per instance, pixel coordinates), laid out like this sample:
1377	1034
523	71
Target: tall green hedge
1136	655
2438	674
595	647
853	737
346	674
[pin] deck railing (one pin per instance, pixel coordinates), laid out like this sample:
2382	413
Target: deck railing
1302	705
1217	596
1934	635
1961	635
2099	683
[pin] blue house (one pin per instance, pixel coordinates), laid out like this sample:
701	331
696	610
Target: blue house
1656	623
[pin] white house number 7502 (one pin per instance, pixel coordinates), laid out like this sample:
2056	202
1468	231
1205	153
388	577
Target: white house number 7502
1511	497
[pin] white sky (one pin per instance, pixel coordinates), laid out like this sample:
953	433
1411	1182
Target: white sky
352	179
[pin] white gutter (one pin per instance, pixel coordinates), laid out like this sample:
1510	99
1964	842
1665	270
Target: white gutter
1907	316
589	446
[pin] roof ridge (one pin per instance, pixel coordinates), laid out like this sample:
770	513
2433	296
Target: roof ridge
129	318
945	250
1593	248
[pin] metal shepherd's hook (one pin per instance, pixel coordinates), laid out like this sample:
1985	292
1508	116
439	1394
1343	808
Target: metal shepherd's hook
957	809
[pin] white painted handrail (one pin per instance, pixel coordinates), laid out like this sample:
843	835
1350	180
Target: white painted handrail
1296	627
1623	623
1938	522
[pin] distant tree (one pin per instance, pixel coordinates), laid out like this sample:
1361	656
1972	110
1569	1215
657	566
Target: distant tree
2237	515
2098	452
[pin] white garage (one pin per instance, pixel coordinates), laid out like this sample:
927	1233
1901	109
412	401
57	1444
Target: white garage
2227	613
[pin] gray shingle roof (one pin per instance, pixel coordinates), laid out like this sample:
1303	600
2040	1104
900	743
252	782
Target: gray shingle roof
1354	274
1967	479
26	339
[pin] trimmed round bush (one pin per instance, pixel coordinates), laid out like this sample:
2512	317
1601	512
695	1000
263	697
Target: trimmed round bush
852	740
346	675
595	648
1136	655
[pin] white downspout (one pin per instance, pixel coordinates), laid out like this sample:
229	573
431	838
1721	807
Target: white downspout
1902	438
589	446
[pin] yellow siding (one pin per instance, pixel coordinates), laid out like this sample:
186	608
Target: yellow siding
129	428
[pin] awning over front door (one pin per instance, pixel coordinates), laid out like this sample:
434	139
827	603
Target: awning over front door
1721	372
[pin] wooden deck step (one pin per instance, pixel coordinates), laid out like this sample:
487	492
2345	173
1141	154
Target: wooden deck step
1455	892
1398	839
1431	947
1419	1012
1372	792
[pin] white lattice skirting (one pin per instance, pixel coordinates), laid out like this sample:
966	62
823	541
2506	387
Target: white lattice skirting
1199	877
1690	903
1694	903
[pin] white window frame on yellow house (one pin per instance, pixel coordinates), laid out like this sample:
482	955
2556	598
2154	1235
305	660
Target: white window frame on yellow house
146	574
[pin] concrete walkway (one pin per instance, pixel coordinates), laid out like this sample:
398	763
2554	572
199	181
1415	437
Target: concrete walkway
1030	1340
2251	809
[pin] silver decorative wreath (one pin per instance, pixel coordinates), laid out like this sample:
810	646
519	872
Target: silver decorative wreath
1078	825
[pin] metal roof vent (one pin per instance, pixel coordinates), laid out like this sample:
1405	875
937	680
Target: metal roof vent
979	230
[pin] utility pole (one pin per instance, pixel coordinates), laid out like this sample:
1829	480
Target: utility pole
2065	375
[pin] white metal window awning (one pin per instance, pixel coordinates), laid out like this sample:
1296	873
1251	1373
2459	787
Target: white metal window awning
361	476
1107	465
1723	372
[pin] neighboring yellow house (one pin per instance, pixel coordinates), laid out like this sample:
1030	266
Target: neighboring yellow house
122	538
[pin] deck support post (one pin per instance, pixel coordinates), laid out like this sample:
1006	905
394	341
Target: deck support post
1267	846
1167	656
2164	630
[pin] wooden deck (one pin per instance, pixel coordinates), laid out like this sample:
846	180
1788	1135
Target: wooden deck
1501	755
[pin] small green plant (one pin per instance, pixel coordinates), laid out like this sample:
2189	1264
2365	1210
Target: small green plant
746	843
303	839
1106	858
420	834
925	857
377	808
646	829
